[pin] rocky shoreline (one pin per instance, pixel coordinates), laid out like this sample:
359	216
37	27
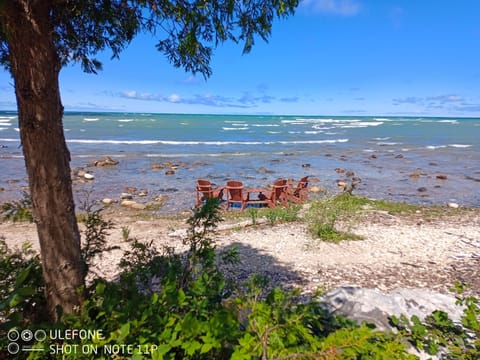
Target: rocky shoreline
407	251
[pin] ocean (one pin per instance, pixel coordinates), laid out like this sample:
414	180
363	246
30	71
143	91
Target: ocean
420	160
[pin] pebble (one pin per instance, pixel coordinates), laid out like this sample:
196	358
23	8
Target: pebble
89	176
453	205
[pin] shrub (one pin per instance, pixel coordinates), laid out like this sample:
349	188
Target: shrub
20	210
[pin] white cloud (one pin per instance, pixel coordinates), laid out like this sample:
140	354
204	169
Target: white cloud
129	94
174	98
337	7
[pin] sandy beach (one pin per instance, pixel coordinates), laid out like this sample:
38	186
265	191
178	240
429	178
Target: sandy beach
412	250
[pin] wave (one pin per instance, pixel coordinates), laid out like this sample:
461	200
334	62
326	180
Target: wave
90	119
5	123
434	147
218	143
448	121
382	138
235	128
385	143
190	155
362	124
125	120
460	146
265	125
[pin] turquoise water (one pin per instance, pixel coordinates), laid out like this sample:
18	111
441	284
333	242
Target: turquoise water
232	146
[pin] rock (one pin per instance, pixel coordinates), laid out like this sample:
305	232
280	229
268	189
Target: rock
349	174
415	175
314	189
158	166
399	156
126	196
143	193
442	177
138	206
131	189
340	170
170	172
341	183
81	173
264	170
109	161
453	205
374	306
356	181
127	203
89	176
160	198
422	189
373	156
306	165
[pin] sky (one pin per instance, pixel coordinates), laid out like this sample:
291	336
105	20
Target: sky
333	57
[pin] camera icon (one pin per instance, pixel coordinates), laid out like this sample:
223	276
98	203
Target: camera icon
13	335
26	335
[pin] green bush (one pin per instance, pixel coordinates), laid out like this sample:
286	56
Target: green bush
325	214
20	210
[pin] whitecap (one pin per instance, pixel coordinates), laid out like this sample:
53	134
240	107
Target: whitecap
382	138
385	143
126	120
235	128
434	147
218	143
459	145
90	119
454	122
265	125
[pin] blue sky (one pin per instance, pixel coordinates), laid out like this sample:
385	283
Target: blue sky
334	57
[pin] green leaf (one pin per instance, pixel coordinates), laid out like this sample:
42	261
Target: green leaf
23	275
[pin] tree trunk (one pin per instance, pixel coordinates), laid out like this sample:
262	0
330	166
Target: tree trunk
35	68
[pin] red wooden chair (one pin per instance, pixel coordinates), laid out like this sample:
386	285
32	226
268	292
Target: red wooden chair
277	195
205	191
300	193
236	194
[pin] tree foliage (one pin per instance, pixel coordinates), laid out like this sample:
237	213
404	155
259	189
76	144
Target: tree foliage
187	31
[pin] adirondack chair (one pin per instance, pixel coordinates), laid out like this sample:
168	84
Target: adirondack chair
205	190
300	193
236	194
278	194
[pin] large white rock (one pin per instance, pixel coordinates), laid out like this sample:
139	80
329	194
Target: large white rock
374	306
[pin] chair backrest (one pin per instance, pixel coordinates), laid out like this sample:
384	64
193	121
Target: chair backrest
279	188
301	186
234	190
205	187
